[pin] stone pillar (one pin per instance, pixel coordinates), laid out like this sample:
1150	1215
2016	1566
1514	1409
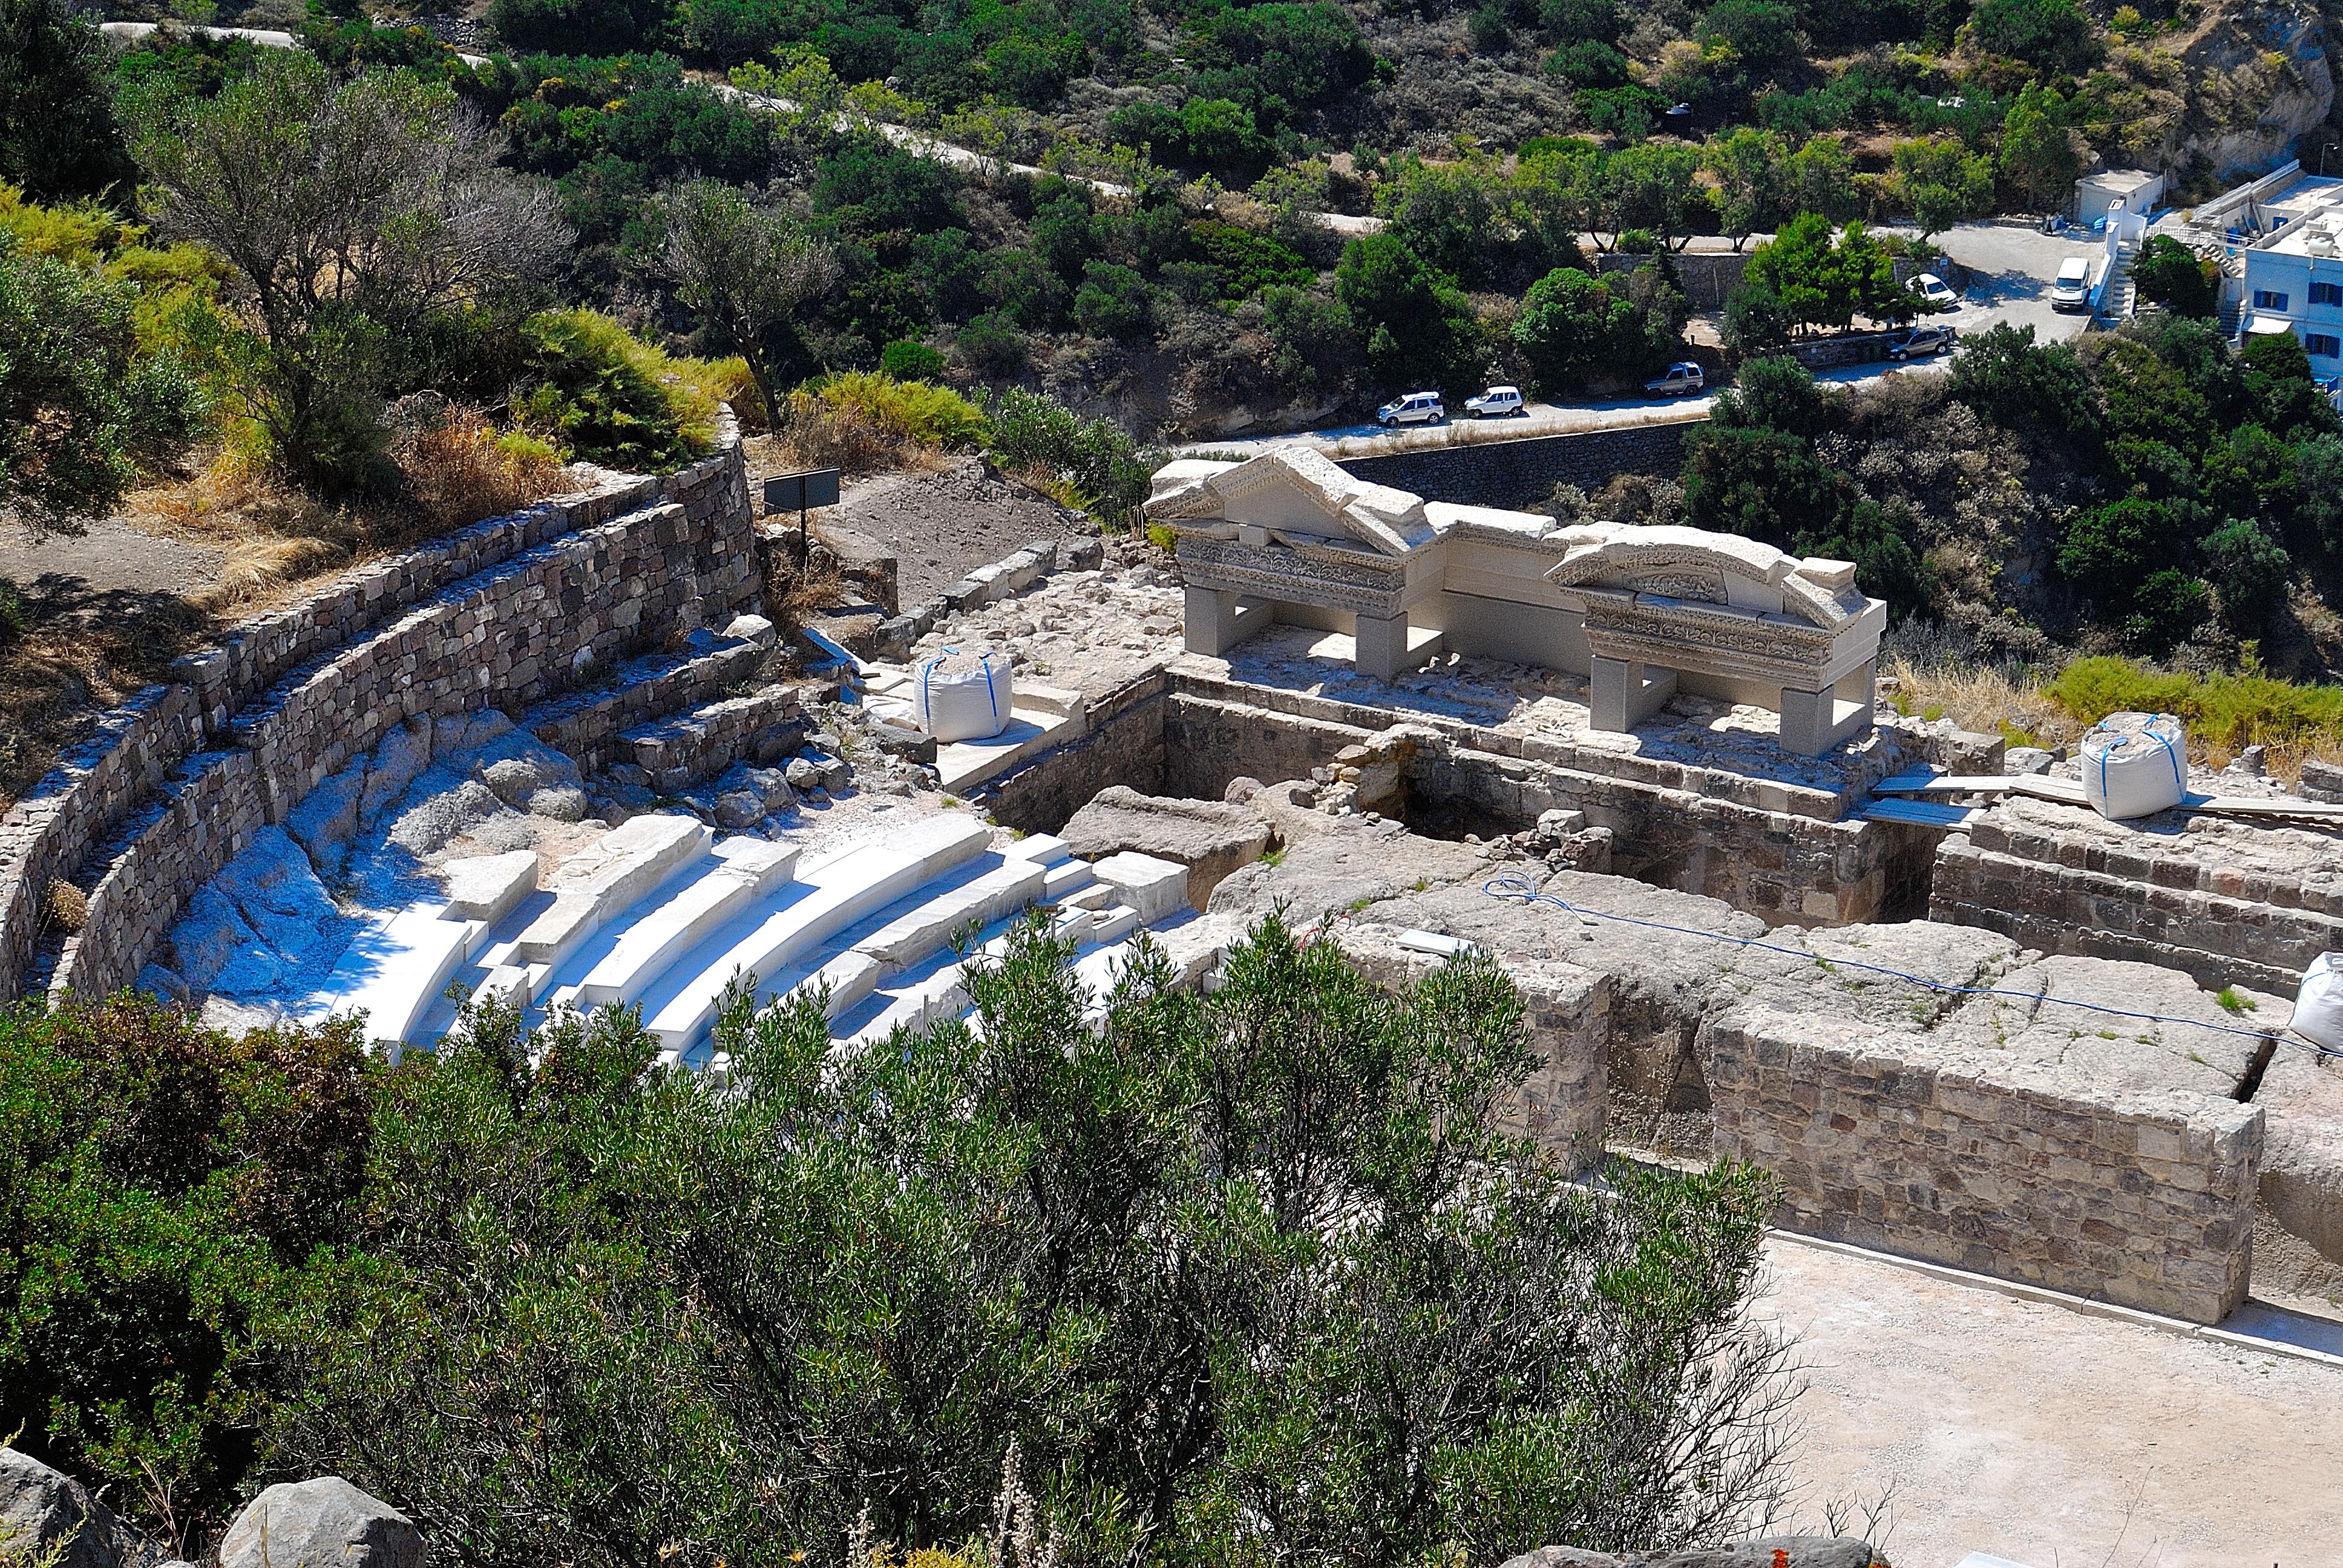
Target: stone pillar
1382	645
1212	621
1621	693
1812	722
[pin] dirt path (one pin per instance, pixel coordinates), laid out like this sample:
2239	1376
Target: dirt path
2039	1434
945	524
112	558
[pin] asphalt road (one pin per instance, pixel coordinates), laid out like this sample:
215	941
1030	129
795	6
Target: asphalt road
2009	267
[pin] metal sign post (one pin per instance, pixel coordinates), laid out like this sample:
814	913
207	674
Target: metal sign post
800	493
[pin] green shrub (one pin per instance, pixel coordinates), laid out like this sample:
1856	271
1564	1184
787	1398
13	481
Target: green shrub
172	1197
1099	465
2225	710
607	397
907	410
912	362
14	623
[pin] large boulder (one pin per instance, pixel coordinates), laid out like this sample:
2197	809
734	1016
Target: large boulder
398	760
1210	838
321	1524
2302	1155
40	1507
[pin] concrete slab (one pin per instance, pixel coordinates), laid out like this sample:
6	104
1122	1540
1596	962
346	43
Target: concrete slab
395	968
630	862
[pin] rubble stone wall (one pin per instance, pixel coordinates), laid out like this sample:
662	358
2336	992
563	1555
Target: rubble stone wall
141	815
2203	916
1769	849
2001	1168
1523	473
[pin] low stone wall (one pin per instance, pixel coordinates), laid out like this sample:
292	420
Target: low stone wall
761	728
2180	901
589	725
1891	1142
1124	744
1524	472
1775	850
140	816
46	836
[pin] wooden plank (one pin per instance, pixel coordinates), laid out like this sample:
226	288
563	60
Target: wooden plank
1945	784
1918	813
2266	806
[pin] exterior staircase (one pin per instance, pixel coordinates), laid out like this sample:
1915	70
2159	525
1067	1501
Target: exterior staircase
2116	291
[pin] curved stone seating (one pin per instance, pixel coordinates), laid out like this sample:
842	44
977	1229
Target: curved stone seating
737	873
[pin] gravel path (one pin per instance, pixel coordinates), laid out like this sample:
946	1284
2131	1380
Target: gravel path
2039	1434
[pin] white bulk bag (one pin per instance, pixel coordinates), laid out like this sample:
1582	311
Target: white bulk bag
956	695
2135	764
2318	1006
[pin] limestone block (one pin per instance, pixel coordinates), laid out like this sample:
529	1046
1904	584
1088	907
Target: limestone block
1210	838
753	629
327	817
2302	1160
1156	887
487	887
2322	781
454	734
1969	752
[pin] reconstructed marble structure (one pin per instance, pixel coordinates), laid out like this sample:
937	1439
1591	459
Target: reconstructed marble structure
1290	537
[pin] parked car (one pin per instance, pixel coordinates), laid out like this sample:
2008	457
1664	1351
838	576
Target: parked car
1936	291
2071	290
1920	341
1413	408
1683	378
1496	403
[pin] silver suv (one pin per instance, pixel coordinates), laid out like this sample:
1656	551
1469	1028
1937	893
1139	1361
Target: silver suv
1920	341
1412	408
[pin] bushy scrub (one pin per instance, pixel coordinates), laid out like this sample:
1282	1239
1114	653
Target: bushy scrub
1249	1278
172	1198
605	397
1089	463
2223	710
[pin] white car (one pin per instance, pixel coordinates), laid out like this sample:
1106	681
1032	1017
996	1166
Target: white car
2071	290
1496	403
1936	291
1684	377
1414	408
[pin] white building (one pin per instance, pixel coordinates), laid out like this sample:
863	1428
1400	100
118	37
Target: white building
2280	243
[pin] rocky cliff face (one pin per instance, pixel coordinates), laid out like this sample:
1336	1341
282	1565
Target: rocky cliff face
2258	78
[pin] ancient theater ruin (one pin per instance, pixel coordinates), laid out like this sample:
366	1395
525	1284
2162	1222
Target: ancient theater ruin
562	759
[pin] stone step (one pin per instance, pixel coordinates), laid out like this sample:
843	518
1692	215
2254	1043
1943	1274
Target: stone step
688	911
592	887
829	895
395	970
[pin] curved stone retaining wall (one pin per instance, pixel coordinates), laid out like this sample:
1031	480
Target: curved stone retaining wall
501	614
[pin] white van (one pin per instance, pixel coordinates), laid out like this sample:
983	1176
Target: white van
2072	288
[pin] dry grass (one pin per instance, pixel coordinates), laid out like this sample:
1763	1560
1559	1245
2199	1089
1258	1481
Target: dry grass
793	597
1986	699
1979	698
58	675
824	436
66	906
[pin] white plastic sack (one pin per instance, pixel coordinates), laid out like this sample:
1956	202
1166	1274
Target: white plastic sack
2135	764
958	696
2318	1006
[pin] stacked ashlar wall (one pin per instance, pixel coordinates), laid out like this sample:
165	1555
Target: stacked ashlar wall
507	613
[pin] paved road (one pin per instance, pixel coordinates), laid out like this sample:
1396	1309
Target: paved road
2010	265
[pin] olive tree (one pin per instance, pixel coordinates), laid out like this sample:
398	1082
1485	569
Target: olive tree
1249	1278
746	269
349	210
